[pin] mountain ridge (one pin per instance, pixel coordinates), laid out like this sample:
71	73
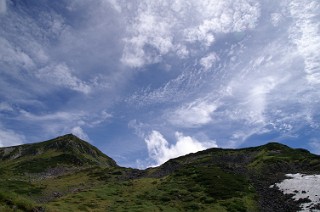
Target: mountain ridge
69	174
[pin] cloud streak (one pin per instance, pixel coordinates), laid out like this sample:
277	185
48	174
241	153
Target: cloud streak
61	75
3	6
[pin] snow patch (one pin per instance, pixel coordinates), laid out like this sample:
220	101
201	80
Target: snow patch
302	187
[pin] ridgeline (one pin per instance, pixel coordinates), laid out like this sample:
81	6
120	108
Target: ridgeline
69	174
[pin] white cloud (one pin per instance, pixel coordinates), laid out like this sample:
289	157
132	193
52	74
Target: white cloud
160	150
202	34
61	75
3	6
10	138
147	30
194	114
208	61
222	16
182	51
78	131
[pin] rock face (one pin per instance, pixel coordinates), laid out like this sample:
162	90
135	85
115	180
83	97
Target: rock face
47	175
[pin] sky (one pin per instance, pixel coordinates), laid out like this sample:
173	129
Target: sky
146	81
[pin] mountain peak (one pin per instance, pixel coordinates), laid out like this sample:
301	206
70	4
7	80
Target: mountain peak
69	135
66	150
274	146
68	142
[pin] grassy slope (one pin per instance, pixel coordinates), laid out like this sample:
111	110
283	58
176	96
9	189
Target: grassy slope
211	180
177	192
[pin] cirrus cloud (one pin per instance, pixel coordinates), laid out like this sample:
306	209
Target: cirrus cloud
160	28
195	114
61	75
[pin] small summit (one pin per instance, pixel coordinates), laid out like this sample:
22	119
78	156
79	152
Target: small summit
71	144
274	146
64	151
69	136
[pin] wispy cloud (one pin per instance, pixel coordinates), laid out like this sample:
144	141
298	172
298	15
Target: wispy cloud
3	6
62	122
10	138
71	116
61	75
195	114
4	106
10	55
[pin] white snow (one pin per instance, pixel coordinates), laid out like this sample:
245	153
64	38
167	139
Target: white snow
302	186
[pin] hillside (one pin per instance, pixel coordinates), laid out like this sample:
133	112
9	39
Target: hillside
63	152
68	174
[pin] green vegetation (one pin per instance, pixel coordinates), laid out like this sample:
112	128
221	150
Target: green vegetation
14	201
68	174
37	165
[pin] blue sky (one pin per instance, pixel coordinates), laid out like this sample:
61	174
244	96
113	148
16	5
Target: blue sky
146	81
